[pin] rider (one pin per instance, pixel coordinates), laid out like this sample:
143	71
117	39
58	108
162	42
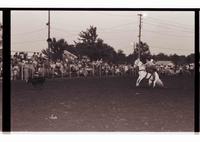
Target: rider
150	66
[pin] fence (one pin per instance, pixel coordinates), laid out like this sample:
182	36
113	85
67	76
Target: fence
71	71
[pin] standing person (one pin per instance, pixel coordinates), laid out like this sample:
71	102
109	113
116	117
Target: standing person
46	68
40	70
26	71
31	69
15	71
53	66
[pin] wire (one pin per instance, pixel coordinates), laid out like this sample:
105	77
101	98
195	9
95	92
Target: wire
31	41
158	20
14	51
168	34
156	47
169	27
117	26
63	31
173	23
29	32
116	15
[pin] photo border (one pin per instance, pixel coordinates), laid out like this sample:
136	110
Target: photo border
6	12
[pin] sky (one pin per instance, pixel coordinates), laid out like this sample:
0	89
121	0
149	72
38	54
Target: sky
168	32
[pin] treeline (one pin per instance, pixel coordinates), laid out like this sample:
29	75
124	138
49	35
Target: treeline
88	44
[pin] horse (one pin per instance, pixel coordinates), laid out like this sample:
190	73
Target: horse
143	74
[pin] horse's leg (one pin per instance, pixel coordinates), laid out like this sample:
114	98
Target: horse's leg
150	82
161	83
156	78
139	80
154	83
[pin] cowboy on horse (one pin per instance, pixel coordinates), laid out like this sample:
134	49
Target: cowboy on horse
147	70
149	64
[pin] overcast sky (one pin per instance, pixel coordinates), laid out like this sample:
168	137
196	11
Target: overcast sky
167	32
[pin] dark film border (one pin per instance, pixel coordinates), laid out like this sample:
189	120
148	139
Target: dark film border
196	102
6	97
6	113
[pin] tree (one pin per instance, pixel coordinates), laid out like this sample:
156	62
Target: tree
121	57
56	50
174	58
160	57
89	36
90	45
190	58
131	58
144	51
143	48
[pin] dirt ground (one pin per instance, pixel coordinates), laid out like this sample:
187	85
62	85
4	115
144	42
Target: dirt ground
106	104
1	105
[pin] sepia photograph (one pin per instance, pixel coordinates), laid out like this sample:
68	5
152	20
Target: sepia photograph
102	71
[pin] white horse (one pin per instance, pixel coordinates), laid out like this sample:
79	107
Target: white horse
143	74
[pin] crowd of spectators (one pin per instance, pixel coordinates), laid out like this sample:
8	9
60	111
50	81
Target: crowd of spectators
24	66
186	69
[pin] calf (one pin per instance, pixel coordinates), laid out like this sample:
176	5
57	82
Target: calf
36	80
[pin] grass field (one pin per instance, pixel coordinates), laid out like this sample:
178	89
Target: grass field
106	104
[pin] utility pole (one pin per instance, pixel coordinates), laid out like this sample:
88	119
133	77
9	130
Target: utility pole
49	37
139	36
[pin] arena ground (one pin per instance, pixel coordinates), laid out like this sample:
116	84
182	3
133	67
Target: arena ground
106	104
1	104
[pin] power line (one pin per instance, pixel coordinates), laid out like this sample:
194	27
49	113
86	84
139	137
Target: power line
170	49
31	41
117	26
116	15
120	30
63	31
164	21
29	32
168	34
169	22
14	51
170	25
166	27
